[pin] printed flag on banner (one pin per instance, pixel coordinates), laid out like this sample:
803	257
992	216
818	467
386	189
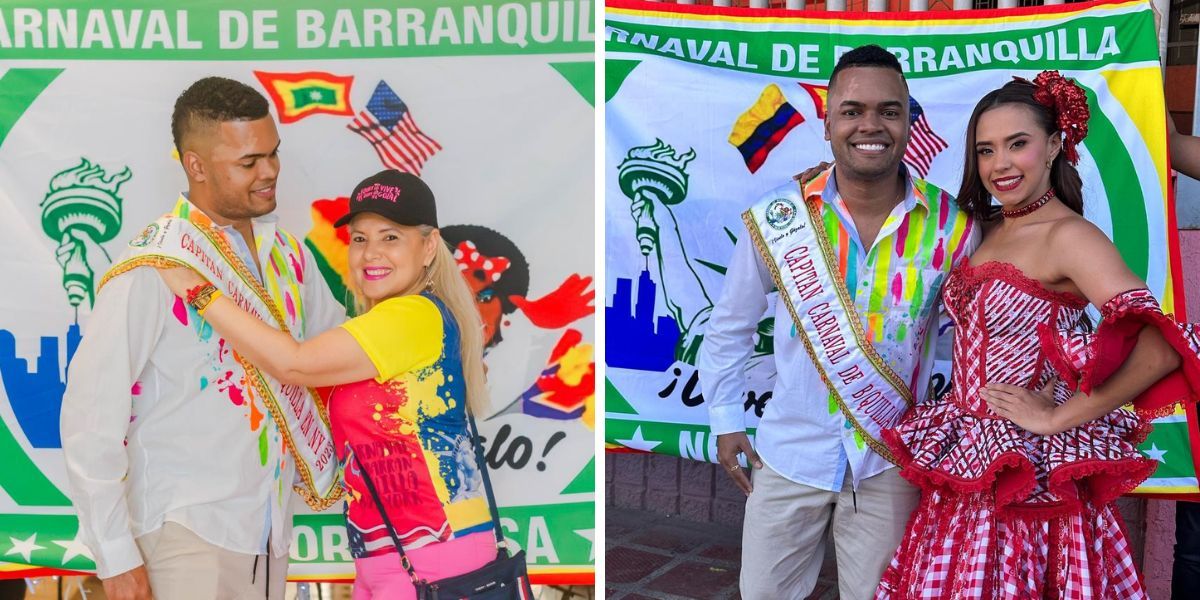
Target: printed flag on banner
820	97
676	186
78	185
923	143
761	128
298	95
389	126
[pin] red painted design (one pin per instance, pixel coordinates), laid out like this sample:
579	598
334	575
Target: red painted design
571	301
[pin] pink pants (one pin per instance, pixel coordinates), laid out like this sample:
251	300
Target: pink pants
382	576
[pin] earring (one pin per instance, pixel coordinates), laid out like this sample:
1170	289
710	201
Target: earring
428	280
1049	163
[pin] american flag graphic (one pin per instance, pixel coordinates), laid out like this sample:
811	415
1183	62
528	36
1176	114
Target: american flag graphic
923	143
389	126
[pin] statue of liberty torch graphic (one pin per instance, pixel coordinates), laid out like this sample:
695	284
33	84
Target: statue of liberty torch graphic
653	177
82	211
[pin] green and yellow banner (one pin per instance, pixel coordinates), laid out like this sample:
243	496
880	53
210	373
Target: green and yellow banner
490	102
708	108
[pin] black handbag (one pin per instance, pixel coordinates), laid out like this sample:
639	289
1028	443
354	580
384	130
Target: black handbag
505	578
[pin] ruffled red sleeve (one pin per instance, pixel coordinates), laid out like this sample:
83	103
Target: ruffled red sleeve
1087	360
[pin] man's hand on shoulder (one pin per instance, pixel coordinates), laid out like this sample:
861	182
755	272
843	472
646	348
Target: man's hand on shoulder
811	173
729	446
130	585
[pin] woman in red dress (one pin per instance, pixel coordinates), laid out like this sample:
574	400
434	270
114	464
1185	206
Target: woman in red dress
1019	464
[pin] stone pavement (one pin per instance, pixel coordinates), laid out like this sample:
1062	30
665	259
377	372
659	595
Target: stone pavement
648	555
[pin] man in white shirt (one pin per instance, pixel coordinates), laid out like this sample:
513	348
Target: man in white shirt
178	469
817	458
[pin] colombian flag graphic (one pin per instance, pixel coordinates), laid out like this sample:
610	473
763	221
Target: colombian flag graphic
298	95
763	126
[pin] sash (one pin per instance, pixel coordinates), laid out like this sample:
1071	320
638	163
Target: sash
188	238
790	236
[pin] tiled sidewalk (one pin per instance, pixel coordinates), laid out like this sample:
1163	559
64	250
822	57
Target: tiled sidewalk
667	558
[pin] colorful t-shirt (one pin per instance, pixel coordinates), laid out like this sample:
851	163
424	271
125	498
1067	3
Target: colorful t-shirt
408	428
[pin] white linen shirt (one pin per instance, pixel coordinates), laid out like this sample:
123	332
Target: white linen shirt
800	435
151	433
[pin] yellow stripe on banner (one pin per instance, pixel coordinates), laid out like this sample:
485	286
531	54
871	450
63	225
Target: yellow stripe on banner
539	570
323	577
1165	489
1146	111
867	22
768	102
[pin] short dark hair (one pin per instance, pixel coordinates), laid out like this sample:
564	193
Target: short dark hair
215	100
870	55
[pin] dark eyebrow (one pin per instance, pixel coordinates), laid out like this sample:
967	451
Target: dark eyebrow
260	155
1007	139
884	104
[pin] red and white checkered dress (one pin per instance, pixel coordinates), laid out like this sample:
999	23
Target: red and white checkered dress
1006	514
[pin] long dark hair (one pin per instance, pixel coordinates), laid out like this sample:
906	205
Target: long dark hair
973	197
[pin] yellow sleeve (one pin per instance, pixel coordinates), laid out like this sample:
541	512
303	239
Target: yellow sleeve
399	334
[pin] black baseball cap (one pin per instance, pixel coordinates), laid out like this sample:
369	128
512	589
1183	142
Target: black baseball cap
396	196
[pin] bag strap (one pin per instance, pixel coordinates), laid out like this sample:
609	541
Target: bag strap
501	545
404	562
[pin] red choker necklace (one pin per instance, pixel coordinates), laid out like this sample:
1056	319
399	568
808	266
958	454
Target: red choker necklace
1028	208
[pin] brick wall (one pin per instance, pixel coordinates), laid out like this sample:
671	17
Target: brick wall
672	486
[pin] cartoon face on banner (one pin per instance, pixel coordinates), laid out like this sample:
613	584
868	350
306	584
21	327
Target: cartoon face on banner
495	270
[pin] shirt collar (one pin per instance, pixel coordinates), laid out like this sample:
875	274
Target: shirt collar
824	186
256	223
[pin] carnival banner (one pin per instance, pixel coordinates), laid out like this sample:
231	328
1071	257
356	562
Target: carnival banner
490	102
708	108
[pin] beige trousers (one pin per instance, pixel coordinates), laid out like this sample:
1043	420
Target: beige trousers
787	523
183	566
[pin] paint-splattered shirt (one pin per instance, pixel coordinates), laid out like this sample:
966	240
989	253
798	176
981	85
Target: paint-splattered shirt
408	428
160	424
895	284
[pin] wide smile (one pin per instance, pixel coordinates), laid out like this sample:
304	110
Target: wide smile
265	192
1008	184
376	273
871	148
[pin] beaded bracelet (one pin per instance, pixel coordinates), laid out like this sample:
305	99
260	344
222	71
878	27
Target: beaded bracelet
201	297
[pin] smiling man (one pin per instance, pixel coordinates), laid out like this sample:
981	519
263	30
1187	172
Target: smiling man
180	454
858	255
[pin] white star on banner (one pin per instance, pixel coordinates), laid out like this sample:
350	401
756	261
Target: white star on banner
74	548
24	547
1155	453
315	95
638	442
590	536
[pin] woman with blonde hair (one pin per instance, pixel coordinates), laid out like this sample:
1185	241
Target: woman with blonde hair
403	374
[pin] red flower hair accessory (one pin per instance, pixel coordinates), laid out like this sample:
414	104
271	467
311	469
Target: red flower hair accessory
1069	103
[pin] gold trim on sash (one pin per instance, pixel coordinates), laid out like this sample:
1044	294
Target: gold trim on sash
879	447
311	498
860	335
851	314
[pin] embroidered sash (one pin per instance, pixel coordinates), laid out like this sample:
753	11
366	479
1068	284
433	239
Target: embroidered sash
790	237
186	237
